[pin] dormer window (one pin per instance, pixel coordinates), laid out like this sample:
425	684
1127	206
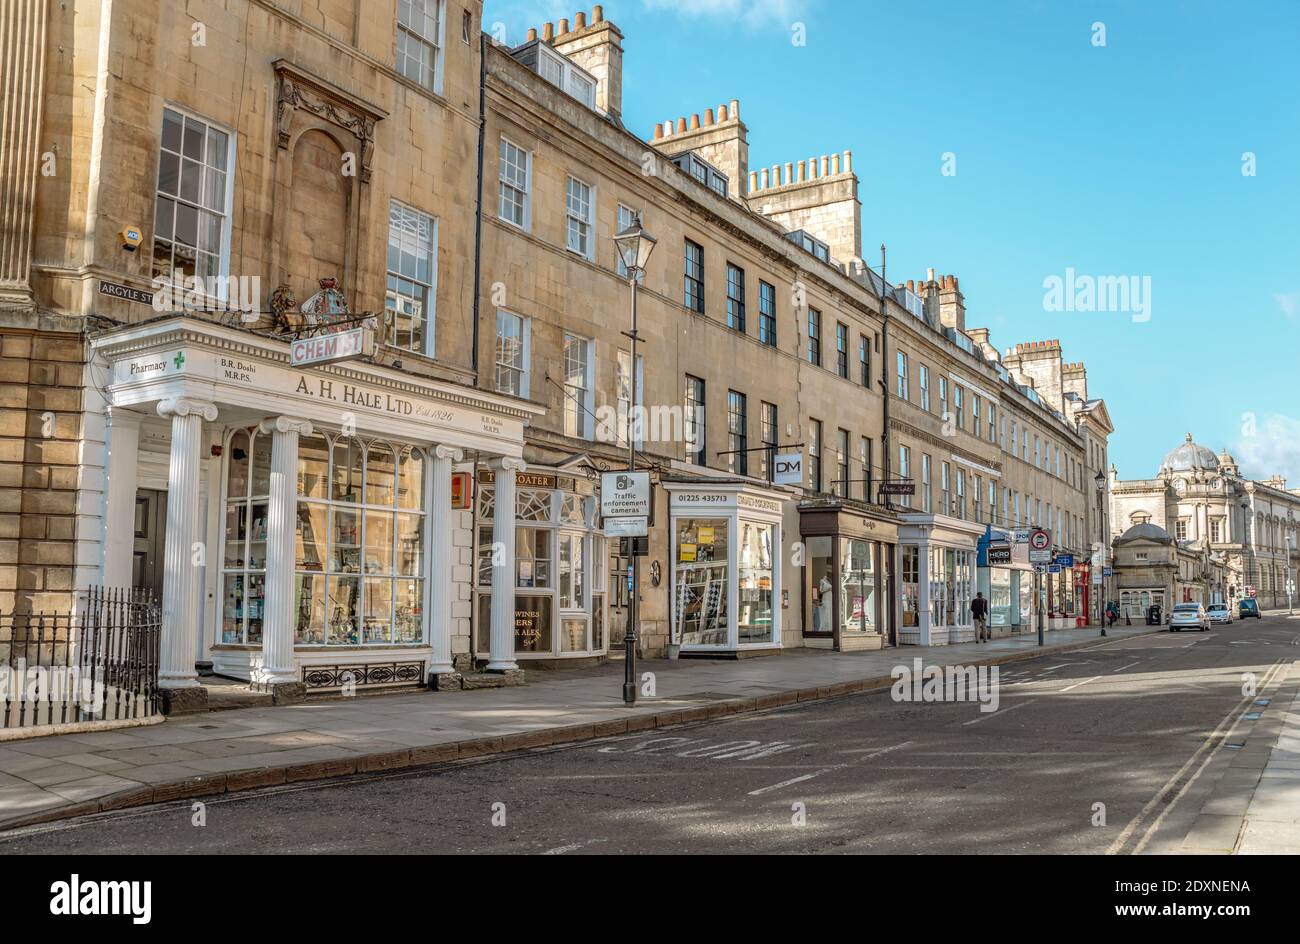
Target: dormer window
703	171
561	73
810	244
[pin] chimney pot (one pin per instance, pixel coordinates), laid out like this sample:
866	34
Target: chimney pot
835	163
564	27
708	117
848	162
532	34
763	179
548	32
801	171
735	108
579	20
597	14
659	131
826	165
929	274
753	181
681	125
789	172
722	114
695	122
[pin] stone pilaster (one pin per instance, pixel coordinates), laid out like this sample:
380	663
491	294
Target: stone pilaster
22	74
276	672
119	496
180	575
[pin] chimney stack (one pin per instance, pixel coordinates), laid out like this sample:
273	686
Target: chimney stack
597	46
721	139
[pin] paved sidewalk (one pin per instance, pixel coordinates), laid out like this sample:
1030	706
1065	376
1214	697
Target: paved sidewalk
219	752
1272	821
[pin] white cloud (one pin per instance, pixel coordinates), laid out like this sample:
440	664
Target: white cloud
1289	304
1274	449
750	12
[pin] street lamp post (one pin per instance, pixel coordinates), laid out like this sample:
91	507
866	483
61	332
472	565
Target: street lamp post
1100	479
634	246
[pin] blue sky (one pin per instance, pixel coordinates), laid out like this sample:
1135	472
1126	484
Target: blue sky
1123	159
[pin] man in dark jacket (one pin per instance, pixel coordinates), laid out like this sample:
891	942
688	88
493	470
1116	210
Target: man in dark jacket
979	608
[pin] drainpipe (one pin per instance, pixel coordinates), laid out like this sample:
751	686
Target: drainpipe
478	200
884	443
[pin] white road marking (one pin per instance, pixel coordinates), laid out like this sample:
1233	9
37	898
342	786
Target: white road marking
1077	684
786	783
825	770
1220	733
1129	666
995	714
571	847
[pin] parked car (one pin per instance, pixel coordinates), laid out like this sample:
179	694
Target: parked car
1248	607
1219	613
1189	616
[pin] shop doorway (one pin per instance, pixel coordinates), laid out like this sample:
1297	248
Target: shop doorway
150	533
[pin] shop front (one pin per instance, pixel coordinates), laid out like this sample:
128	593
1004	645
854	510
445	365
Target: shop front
850	554
937	568
725	577
1006	580
308	538
560	576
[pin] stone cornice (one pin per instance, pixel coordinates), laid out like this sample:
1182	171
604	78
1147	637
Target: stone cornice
123	342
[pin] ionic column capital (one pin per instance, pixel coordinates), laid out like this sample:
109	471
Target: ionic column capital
448	452
187	406
285	424
508	464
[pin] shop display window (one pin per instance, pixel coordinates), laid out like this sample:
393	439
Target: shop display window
358	542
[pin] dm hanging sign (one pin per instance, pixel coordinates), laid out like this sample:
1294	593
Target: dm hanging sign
787	468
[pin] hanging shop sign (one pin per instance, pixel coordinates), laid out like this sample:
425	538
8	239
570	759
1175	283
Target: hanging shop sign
999	554
787	468
331	348
897	488
1065	560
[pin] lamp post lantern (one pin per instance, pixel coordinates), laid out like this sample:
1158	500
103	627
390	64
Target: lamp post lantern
634	247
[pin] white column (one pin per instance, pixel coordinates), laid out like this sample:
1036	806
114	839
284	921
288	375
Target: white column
281	518
502	651
923	590
180	574
441	559
119	496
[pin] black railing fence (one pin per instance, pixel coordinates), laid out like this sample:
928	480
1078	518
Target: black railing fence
99	663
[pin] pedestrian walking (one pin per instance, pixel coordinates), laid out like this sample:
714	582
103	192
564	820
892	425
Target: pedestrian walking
979	608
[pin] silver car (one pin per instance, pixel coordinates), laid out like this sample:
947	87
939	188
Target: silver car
1189	616
1219	613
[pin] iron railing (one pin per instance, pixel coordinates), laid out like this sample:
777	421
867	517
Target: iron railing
99	663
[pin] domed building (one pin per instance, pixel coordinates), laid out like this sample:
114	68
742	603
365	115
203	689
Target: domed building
1231	536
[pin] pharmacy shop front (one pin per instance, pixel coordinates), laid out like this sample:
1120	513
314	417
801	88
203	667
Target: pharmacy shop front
726	568
310	537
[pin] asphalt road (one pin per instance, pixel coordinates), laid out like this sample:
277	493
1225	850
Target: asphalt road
1121	725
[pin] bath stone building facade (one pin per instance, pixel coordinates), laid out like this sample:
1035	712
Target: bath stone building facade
432	501
1203	500
313	160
